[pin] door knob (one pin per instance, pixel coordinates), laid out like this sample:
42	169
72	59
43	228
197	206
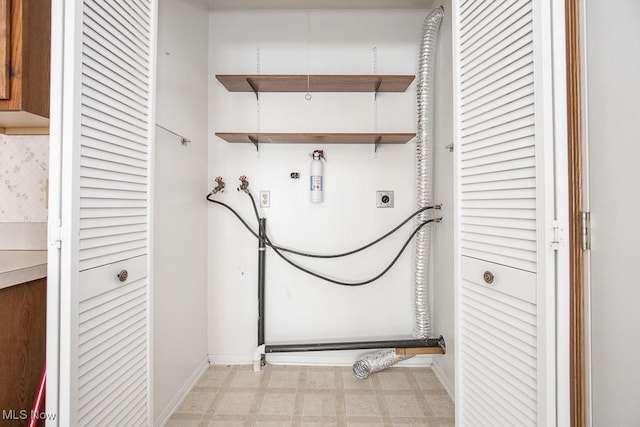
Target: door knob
123	275
488	277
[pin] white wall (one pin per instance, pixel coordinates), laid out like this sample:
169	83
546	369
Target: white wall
443	319
24	168
613	67
299	307
180	216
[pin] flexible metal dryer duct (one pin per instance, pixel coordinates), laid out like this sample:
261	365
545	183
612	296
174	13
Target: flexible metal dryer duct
380	360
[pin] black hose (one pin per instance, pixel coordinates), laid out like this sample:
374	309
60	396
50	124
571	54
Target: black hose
233	211
364	282
255	206
343	254
278	250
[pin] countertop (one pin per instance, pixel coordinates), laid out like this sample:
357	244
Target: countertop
21	266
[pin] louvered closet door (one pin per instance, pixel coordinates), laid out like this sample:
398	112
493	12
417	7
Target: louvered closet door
500	199
112	124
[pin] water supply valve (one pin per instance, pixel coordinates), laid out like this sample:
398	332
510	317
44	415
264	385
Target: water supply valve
244	184
219	185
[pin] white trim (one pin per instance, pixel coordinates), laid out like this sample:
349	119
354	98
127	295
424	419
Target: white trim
229	359
457	284
182	393
444	380
560	308
545	59
69	112
54	210
150	200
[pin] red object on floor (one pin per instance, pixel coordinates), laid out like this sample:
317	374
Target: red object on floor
38	400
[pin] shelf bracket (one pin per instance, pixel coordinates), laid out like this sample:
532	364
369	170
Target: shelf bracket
255	89
254	141
376	143
378	84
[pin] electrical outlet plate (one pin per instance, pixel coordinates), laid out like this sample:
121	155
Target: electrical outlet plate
265	199
384	199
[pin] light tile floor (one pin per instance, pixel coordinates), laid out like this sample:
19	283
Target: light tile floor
315	396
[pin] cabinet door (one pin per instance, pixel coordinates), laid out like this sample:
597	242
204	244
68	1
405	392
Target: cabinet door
505	134
5	48
103	129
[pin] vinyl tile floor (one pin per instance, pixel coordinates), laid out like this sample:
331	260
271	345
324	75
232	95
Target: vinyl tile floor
315	396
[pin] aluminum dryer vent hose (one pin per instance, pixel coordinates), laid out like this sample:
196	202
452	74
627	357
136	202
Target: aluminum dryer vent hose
424	196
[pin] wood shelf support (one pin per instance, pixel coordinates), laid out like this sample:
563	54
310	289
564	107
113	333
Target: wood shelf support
377	89
254	141
255	89
376	143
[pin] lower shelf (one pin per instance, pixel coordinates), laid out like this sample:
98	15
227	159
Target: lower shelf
316	138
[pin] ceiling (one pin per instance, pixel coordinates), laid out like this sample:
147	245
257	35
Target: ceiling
319	4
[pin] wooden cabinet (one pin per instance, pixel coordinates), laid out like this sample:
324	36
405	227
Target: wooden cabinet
22	344
25	44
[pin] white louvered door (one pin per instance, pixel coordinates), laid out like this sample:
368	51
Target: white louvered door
107	123
504	135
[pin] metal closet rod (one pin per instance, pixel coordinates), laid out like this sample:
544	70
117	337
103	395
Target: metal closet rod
183	140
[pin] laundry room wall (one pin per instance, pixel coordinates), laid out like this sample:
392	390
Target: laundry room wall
300	308
179	284
443	254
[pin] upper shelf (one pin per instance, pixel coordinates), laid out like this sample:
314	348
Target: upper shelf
314	83
317	138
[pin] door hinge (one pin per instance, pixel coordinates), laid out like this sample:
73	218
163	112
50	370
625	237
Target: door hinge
55	234
556	234
585	230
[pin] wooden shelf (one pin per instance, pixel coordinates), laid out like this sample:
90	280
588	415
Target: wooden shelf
316	138
419	350
257	83
316	83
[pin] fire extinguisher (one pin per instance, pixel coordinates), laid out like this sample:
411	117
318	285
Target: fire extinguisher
316	184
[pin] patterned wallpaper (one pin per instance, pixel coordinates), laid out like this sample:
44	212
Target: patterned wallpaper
24	172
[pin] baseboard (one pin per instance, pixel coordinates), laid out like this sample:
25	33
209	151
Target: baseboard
444	380
230	359
166	413
329	358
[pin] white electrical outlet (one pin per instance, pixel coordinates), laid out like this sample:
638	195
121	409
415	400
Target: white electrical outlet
265	199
